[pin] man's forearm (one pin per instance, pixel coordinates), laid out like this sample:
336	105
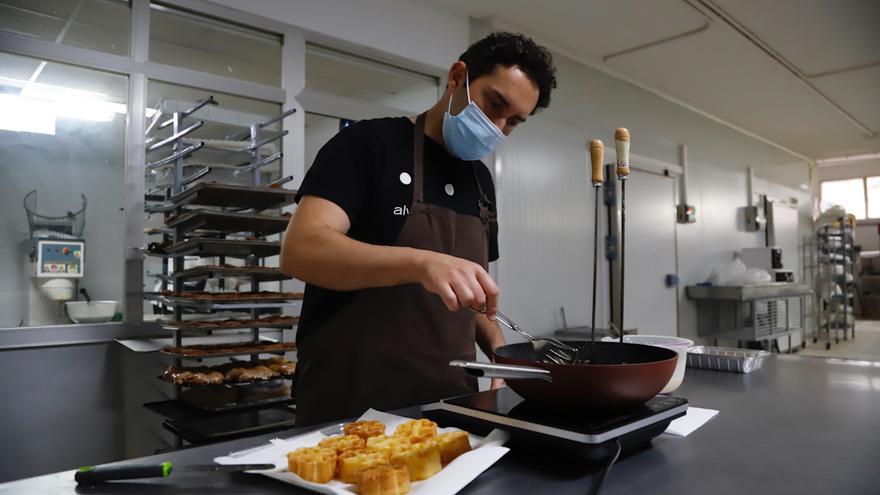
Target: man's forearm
333	260
489	335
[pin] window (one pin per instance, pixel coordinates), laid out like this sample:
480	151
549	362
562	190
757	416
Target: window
62	134
102	25
341	74
202	44
859	196
872	191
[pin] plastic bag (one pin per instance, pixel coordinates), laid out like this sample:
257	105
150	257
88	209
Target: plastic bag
751	276
723	273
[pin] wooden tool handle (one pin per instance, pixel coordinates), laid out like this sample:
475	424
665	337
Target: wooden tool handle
621	144
597	156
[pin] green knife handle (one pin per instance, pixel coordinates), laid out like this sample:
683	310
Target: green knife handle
98	474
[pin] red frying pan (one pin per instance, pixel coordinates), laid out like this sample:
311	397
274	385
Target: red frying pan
618	377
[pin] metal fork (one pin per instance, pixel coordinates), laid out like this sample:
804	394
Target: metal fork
550	349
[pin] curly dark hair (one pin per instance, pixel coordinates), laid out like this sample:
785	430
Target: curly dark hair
509	49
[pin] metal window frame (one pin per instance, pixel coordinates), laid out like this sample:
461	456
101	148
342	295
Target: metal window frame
140	71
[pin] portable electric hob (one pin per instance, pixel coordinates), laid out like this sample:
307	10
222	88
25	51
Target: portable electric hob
592	437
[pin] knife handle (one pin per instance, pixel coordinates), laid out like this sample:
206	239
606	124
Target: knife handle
597	157
621	144
89	475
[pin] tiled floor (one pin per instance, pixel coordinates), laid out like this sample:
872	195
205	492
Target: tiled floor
865	347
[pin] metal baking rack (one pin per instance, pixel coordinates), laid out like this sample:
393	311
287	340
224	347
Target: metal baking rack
212	219
213	247
182	327
225	221
260	273
200	357
830	258
244	303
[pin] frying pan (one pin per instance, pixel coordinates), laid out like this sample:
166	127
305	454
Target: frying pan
619	376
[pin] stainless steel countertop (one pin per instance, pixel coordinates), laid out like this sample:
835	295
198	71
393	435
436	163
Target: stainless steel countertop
799	426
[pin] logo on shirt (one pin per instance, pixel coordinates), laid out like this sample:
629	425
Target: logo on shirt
401	211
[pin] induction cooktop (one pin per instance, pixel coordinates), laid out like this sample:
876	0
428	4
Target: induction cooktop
503	408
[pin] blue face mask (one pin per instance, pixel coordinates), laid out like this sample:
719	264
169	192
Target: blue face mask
470	135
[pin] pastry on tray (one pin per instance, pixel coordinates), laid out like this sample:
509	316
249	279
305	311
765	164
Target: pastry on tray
351	464
235	372
422	459
231	296
452	445
230	347
315	464
364	429
387	444
417	430
384	480
233	323
341	443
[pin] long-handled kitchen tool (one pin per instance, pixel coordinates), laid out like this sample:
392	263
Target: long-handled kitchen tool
597	156
621	144
548	349
90	475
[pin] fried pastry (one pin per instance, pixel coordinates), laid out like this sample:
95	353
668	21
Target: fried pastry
417	430
384	480
421	459
341	443
315	464
365	429
387	444
452	445
351	464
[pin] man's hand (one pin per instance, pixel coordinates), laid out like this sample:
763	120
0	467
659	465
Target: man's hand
497	383
459	283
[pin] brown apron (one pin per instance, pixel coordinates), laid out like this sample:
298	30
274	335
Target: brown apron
390	347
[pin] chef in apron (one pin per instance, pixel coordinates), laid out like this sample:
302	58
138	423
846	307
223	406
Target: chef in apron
394	231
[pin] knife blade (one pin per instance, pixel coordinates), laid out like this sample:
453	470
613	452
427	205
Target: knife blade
100	474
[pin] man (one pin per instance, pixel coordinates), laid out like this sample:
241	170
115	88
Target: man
393	235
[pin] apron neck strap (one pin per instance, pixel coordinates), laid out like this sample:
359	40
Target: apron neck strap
418	159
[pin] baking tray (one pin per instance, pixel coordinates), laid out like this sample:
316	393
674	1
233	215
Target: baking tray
725	359
748	293
235	398
194	357
235	196
260	273
227	221
182	327
225	384
232	424
233	248
208	305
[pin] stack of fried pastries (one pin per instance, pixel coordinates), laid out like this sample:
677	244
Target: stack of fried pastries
379	464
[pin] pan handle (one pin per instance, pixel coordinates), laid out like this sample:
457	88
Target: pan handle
506	371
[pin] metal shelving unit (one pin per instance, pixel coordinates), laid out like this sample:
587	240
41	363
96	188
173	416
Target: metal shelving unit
210	219
830	259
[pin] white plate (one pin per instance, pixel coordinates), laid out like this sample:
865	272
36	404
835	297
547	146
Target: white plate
452	478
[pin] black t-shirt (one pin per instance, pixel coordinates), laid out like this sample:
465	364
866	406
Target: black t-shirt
366	169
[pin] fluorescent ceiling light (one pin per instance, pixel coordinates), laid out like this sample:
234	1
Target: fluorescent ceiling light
846	159
19	114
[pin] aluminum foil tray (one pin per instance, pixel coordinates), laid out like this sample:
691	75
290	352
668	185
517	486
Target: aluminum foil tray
725	359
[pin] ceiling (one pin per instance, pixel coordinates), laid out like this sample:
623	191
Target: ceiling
803	74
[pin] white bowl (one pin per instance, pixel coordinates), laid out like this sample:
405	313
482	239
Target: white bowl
56	289
676	344
91	312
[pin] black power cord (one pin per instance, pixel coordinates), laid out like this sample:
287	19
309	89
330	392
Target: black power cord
607	469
